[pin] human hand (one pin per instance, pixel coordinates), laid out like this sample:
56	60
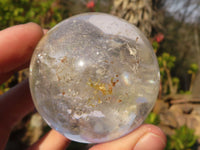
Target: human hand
16	47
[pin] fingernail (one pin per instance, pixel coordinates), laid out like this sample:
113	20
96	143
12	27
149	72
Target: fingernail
150	141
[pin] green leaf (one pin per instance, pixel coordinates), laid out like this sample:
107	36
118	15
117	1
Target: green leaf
152	118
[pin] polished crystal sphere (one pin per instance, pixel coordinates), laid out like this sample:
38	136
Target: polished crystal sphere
94	77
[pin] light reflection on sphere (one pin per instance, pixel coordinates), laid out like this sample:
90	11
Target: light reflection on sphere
94	77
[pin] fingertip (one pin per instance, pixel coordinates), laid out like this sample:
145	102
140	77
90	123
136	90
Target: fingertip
144	137
155	130
17	44
32	32
35	26
154	138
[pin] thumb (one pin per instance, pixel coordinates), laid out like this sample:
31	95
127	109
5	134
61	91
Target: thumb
146	137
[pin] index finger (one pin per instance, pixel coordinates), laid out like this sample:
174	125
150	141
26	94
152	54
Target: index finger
17	44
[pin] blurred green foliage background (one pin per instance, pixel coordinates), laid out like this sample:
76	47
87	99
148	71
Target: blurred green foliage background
45	12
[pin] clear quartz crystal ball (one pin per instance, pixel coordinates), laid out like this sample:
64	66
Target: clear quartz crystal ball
94	77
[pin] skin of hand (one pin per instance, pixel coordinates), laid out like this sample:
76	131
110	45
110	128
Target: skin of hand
17	44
